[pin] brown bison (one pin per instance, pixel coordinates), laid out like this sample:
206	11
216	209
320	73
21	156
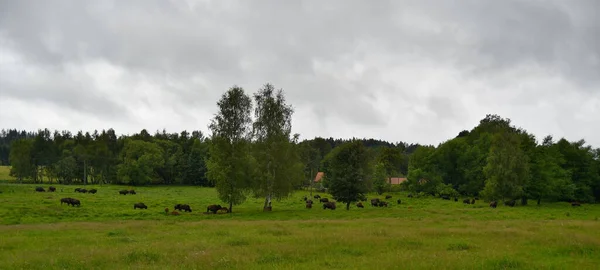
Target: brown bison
575	203
309	201
40	189
317	196
213	208
65	200
455	199
360	205
183	207
510	203
77	189
83	190
51	189
324	200
124	192
140	206
329	205
493	204
132	191
467	201
399	201
388	197
375	202
382	204
410	195
305	198
308	205
75	202
93	191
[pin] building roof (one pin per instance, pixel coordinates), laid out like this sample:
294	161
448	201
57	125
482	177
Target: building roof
318	177
396	180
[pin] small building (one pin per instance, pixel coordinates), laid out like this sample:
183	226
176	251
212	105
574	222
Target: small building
396	180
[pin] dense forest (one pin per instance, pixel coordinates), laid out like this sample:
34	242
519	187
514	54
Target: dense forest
493	160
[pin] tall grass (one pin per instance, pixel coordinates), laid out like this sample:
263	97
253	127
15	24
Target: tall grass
420	233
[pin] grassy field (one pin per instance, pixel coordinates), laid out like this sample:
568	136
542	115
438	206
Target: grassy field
421	233
4	171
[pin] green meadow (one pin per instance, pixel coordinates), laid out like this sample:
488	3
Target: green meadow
37	232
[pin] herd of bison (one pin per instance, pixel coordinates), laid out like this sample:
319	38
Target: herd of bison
215	208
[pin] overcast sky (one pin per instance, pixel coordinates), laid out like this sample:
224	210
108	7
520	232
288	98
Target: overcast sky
414	71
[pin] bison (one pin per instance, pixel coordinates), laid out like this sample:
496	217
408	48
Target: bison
467	201
388	197
124	192
51	189
77	189
309	201
65	200
132	191
360	205
75	202
140	206
410	195
329	205
375	202
510	203
305	198
455	199
83	190
382	204
493	204
183	207
399	201
324	200
473	201
213	208
445	197
93	191
308	205
575	204
317	196
40	189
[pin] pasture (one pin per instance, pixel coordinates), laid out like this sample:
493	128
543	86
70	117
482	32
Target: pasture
105	232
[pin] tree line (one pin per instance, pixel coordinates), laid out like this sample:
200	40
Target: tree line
251	152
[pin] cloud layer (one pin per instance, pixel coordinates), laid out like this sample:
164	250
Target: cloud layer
415	71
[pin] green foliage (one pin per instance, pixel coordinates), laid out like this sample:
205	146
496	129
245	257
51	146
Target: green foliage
420	181
380	178
507	170
141	160
21	159
279	165
347	173
446	189
230	166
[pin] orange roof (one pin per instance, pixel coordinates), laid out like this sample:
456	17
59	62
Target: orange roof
396	180
318	177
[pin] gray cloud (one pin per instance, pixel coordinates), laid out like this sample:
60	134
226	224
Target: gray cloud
421	69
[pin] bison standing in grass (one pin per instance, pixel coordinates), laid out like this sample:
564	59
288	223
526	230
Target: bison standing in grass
467	201
124	192
382	204
183	207
132	192
399	201
213	208
317	196
70	201
51	189
324	200
387	197
329	205
93	191
360	205
40	189
375	202
140	206
575	203
510	203
493	204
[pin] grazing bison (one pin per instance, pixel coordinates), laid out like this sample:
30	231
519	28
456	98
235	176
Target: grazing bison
124	192
309	201
575	204
375	202
65	200
467	201
317	196
324	200
329	205
410	195
75	202
308	205
360	205
382	204
51	189
493	204
140	206
445	197
77	189
213	208
40	189
132	192
510	203
388	197
399	201
183	207
93	191
83	190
